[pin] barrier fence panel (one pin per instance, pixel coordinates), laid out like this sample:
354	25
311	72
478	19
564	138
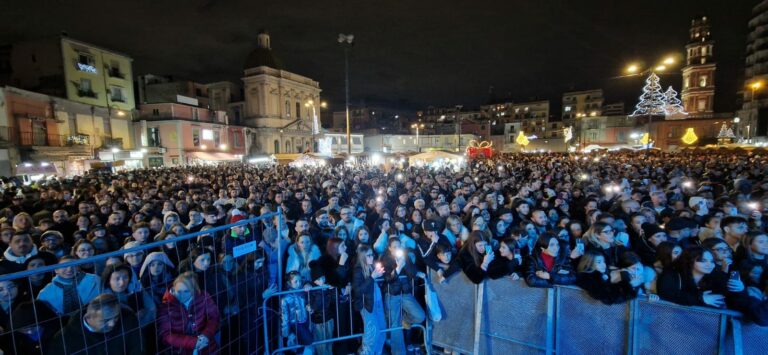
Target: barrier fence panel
666	328
754	339
516	319
125	301
458	299
585	325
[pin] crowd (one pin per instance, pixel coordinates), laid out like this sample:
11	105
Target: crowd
358	242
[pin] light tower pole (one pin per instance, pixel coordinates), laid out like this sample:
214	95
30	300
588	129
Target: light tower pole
347	40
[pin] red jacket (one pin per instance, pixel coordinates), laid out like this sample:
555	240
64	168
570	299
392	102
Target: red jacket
179	327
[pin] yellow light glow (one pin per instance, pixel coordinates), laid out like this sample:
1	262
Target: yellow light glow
690	136
669	61
632	69
645	139
756	85
660	68
323	104
522	139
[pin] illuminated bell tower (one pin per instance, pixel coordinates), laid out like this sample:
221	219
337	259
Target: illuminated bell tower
699	72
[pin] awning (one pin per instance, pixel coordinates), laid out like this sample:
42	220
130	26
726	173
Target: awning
214	156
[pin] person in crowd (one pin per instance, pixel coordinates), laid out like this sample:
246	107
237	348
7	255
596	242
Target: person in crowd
134	258
610	287
322	303
401	306
753	250
666	254
9	299
119	279
692	283
238	235
368	300
102	328
447	265
301	254
84	249
53	242
295	324
188	319
548	265
30	328
19	250
156	275
209	278
507	261
70	289
475	257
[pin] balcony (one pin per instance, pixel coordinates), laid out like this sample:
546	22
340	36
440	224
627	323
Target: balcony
115	73
11	136
87	93
117	99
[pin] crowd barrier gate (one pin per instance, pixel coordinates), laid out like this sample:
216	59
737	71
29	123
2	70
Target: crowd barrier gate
515	318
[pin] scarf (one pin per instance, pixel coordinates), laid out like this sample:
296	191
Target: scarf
70	295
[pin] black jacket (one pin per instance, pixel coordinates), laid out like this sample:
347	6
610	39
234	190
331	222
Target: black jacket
501	267
124	338
611	254
335	275
362	290
322	302
675	287
599	287
562	262
473	271
397	284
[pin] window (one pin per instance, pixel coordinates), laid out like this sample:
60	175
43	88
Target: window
592	136
85	89
196	137
287	109
216	139
86	63
207	134
567	108
195	114
702	104
155	112
355	140
702	80
114	69
298	110
153	136
686	81
116	94
236	140
703	51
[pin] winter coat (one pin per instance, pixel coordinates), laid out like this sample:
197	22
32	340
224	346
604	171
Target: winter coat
322	302
562	262
612	254
87	289
211	281
473	271
599	287
233	240
397	284
296	261
76	338
178	327
362	290
675	287
501	266
335	275
293	310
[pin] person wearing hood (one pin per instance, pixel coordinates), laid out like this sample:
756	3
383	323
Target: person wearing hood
321	228
119	279
70	289
34	324
646	245
188	318
156	275
134	258
19	250
104	328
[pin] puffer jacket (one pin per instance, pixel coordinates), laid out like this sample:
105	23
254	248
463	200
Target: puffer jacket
178	326
562	262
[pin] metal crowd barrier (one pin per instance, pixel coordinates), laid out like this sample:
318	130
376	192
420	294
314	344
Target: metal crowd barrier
239	327
515	318
271	306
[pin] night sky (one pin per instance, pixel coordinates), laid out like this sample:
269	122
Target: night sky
408	54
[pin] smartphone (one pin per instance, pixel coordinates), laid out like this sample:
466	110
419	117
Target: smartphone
735	275
517	253
580	245
488	249
399	253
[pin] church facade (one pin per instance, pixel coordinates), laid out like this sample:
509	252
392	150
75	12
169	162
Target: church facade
278	108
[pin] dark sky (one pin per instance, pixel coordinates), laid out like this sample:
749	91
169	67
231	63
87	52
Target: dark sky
408	53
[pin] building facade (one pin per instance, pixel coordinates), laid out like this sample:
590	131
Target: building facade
698	92
275	104
396	143
174	134
68	68
578	104
753	116
67	136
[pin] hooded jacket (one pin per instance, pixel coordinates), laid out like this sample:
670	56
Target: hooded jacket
124	338
296	260
178	326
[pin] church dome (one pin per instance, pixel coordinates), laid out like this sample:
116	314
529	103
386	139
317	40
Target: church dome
262	55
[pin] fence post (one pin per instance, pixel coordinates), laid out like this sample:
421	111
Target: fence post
551	319
279	248
479	297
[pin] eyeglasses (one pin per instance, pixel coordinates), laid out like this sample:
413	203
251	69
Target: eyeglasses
608	231
368	255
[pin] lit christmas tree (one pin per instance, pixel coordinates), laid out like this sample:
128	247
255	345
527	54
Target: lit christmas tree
725	133
673	106
652	101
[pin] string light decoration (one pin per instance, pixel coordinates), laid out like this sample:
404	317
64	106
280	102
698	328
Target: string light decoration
645	139
690	136
673	106
652	101
726	132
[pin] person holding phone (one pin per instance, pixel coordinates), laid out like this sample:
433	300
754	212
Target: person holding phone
475	257
548	264
368	300
401	307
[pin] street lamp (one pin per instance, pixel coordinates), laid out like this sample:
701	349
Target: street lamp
418	126
634	70
347	40
755	86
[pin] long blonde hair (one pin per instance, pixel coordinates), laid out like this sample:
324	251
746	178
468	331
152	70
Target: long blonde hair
362	252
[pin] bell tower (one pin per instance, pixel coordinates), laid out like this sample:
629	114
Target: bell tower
698	92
